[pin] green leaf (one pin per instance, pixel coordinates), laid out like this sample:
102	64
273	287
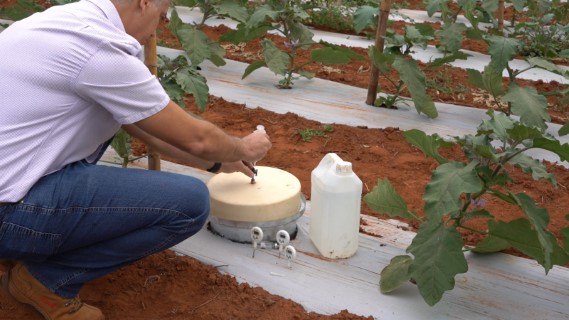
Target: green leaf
501	50
547	65
306	74
428	144
260	16
499	124
414	78
22	9
491	244
539	220
195	44
384	199
475	77
276	60
537	169
243	34
448	182
562	150
564	130
346	51
438	259
529	105
492	79
252	67
328	55
365	16
381	60
395	273
232	9
195	84
519	5
121	144
520	235
433	6
300	32
490	6
451	36
448	59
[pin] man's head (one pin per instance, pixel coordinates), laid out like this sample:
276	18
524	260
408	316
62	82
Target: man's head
141	17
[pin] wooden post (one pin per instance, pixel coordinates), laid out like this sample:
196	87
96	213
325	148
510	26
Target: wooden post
500	15
385	6
151	61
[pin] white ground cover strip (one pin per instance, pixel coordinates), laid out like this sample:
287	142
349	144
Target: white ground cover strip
476	61
496	286
331	102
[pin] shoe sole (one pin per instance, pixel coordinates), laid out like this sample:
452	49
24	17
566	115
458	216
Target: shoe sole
5	286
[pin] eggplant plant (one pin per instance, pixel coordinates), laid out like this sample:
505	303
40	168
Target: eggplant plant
397	55
458	190
286	18
457	193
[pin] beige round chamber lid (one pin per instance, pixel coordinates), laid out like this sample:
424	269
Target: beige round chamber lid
274	196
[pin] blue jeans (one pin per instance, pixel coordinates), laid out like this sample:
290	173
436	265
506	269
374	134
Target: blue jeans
87	220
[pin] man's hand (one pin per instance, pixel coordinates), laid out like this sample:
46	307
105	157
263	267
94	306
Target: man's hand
256	146
237	166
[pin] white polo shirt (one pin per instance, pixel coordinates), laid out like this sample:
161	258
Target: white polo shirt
69	77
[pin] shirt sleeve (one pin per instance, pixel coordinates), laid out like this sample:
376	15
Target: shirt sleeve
122	84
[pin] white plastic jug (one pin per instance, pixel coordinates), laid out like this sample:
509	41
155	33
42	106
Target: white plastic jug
335	207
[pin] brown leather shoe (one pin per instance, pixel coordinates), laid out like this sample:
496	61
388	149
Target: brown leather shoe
24	288
5	265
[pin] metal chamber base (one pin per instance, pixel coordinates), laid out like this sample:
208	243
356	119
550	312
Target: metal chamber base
240	231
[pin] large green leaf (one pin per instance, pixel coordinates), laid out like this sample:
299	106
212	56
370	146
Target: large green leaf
414	78
428	144
520	235
244	34
539	220
384	199
490	80
491	244
490	6
564	129
499	123
537	169
529	105
501	50
196	44
448	182
448	59
328	55
276	60
260	15
365	16
346	51
433	6
195	84
233	9
451	36
562	150
252	67
438	259
381	60
300	32
548	65
395	273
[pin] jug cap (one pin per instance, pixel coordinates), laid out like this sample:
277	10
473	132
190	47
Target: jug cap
344	167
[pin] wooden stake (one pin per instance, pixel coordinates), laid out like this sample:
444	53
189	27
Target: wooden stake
500	15
385	6
151	61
